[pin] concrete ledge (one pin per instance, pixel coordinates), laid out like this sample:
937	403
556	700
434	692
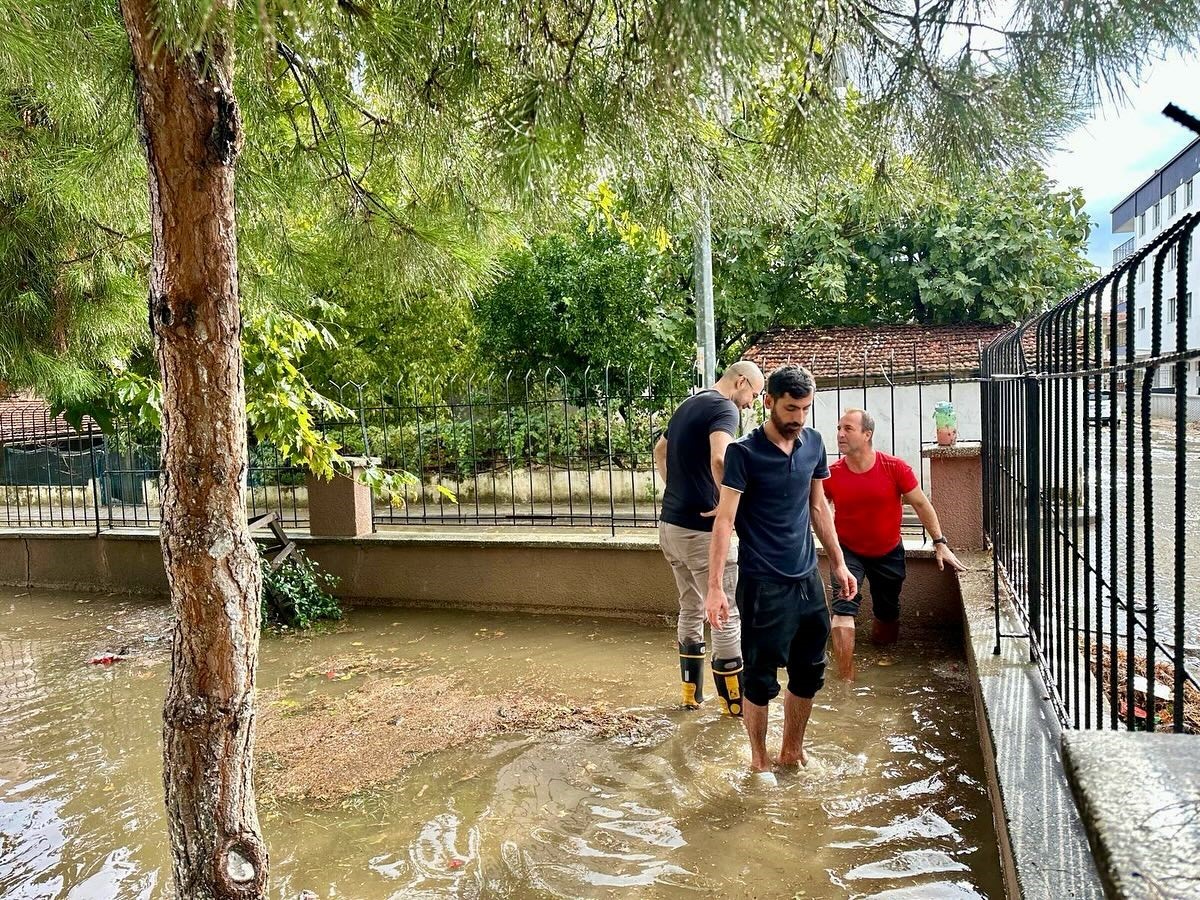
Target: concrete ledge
1044	849
1140	799
593	574
958	450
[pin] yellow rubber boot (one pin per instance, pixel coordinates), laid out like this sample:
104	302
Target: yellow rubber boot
727	674
691	674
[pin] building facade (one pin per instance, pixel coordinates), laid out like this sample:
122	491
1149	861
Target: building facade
1156	205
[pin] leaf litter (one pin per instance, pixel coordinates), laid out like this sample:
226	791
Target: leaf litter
324	747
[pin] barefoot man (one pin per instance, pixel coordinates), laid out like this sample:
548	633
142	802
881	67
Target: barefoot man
772	494
868	489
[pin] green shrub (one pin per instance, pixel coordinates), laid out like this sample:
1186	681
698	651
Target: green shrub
297	594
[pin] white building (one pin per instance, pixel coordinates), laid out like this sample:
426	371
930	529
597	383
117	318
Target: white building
1154	206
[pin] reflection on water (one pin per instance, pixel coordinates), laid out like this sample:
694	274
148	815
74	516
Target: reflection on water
892	803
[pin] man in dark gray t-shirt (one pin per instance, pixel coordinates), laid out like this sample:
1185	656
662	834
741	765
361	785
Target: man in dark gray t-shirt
690	458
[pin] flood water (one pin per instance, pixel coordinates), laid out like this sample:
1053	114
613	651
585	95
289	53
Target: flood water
893	802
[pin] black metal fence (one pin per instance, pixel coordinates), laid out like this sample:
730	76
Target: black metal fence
539	449
1092	485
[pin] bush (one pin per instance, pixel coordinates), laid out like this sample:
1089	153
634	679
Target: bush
297	594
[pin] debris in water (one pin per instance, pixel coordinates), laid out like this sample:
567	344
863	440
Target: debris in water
106	659
386	726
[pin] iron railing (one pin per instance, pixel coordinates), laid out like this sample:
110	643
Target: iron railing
1091	462
1121	253
54	475
537	450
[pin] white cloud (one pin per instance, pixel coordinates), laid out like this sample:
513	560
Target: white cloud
1125	142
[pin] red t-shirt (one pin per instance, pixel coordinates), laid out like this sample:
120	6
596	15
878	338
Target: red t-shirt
867	506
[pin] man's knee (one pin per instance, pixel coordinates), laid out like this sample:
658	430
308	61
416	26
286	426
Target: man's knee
760	686
843	607
805	679
885	602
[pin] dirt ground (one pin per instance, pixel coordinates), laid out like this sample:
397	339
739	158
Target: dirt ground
395	714
1163	710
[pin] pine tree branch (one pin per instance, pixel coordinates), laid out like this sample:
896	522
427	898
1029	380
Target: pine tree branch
122	239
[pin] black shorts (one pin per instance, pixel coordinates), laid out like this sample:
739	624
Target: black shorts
886	576
784	625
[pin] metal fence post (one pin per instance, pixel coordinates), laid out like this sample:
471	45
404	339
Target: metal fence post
95	480
1033	508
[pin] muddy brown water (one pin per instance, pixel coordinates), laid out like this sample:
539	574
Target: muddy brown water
893	803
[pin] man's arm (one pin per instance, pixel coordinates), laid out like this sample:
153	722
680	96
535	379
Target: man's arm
822	525
716	604
660	458
925	512
718	441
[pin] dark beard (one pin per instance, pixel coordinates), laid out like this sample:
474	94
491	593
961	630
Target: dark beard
785	429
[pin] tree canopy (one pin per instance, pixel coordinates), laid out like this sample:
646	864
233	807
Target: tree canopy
993	249
393	149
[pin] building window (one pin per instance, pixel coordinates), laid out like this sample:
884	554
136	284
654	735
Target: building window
1170	309
1172	257
1142	224
1171	204
1142	318
1154	220
1187	193
1142	271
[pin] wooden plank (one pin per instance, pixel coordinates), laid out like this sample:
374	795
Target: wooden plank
283	555
263	521
1161	691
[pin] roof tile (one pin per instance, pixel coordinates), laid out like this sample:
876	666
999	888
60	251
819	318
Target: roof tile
847	349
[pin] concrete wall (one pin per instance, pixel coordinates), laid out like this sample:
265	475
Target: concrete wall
624	576
78	559
903	416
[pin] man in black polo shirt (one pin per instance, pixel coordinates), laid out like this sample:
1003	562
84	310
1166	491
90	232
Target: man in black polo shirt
690	458
772	494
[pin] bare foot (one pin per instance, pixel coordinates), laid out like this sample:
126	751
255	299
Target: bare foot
792	760
760	765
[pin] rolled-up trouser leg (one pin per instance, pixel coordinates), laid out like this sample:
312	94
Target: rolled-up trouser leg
806	655
691	673
727	675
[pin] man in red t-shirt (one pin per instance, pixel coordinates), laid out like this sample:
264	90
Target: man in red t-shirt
868	490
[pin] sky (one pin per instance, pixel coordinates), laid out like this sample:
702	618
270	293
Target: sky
1125	142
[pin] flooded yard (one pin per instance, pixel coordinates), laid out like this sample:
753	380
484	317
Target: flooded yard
893	803
1138	560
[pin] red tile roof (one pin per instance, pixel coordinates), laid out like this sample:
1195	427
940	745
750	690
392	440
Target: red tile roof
25	419
895	348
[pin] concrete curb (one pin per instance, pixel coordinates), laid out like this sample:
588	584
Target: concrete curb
1044	850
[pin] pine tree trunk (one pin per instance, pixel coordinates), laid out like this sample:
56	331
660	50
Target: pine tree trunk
192	132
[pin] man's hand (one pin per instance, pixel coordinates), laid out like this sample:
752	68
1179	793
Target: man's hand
847	583
716	608
945	557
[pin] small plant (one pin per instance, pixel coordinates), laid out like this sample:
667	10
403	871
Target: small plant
297	594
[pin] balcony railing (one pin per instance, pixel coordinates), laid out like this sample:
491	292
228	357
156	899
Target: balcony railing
1124	251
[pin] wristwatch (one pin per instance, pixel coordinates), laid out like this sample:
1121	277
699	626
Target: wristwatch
941	540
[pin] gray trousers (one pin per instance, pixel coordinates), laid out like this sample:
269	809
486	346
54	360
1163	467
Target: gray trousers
687	552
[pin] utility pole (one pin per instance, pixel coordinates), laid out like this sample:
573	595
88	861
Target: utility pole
706	337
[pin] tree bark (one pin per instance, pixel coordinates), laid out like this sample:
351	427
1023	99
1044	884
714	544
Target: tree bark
192	132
